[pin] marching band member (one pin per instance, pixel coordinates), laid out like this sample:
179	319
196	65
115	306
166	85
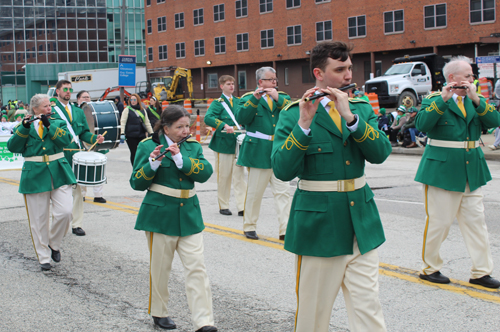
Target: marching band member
221	115
171	216
334	227
46	178
259	112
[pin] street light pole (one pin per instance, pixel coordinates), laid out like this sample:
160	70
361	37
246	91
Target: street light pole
122	51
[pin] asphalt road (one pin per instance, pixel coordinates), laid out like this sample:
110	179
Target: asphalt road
101	283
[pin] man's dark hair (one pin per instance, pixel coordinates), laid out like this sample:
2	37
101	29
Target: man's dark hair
336	50
81	93
61	83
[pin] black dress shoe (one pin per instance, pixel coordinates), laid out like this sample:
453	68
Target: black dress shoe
436	278
99	200
207	329
251	235
46	266
282	237
78	231
225	212
165	323
84	198
56	255
486	281
241	213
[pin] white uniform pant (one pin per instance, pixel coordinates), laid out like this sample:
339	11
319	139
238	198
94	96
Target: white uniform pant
442	207
190	249
43	234
227	172
77	207
98	190
318	282
258	179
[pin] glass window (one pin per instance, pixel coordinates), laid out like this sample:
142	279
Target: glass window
160	1
148	3
242	42
179	20
149	27
482	11
162	23
212	81
242	80
162	52
199	47
435	16
219	13
241	8
324	31
292	4
267	38
220	45
180	50
357	26
394	21
266	6
198	16
294	35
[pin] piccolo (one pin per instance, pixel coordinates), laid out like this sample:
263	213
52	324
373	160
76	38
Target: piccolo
166	151
262	92
459	87
38	118
324	94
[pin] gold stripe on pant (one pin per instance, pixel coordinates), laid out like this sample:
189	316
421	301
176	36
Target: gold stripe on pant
38	208
190	249
258	179
318	282
227	172
442	207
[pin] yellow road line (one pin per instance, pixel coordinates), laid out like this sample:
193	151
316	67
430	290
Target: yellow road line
9	181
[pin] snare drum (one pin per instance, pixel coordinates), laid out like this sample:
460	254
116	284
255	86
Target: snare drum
103	116
89	168
239	141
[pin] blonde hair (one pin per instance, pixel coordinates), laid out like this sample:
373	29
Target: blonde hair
36	101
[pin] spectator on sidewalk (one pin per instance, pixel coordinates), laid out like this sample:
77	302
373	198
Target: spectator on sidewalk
397	124
496	145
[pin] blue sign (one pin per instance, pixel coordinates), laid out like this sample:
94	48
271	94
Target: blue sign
126	70
488	59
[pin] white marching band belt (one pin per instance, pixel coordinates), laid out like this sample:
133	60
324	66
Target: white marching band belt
261	136
453	144
340	185
45	158
167	191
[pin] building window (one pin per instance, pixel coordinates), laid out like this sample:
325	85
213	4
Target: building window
322	1
241	8
162	23
198	16
242	42
292	4
219	13
150	27
482	11
286	76
150	54
357	26
435	16
179	20
266	6
180	50
242	80
267	38
148	3
324	31
162	52
160	1
294	35
212	81
220	45
394	21
199	47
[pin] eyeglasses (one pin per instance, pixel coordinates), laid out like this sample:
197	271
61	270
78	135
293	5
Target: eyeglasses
67	89
274	80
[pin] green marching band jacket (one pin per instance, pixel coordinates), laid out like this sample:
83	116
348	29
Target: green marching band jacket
164	214
80	127
38	177
452	168
216	117
323	224
256	116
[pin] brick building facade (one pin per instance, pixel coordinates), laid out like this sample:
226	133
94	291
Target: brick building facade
217	37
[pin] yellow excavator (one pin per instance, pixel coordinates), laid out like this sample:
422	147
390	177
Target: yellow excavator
171	88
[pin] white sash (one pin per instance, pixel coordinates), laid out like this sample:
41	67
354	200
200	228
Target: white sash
72	132
230	113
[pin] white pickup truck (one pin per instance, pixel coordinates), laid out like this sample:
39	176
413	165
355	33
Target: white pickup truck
410	76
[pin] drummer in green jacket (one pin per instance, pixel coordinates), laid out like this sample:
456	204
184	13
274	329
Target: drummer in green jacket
453	170
334	226
222	116
79	131
46	177
171	216
259	112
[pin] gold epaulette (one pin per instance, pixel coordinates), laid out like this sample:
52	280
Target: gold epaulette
433	95
220	100
248	93
291	104
283	93
357	100
192	140
17	125
144	140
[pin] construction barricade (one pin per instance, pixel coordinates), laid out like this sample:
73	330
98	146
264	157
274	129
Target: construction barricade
485	91
373	100
164	104
187	106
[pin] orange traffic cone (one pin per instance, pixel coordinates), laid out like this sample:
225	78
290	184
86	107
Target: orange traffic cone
198	132
187	106
164	104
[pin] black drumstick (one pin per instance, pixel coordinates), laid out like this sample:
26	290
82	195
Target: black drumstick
324	94
166	151
38	118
